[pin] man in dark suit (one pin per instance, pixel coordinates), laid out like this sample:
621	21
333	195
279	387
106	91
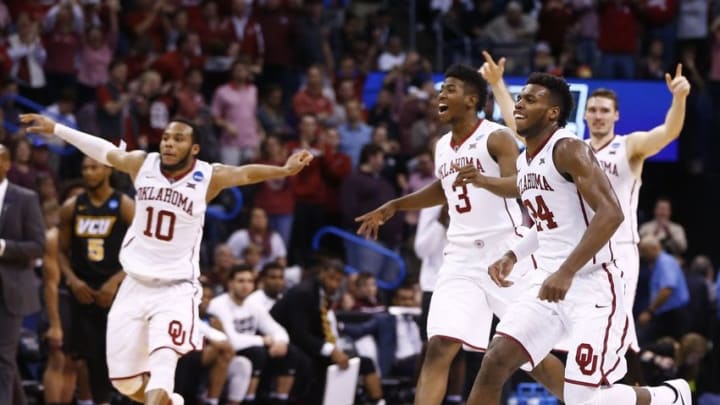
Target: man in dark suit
306	313
22	240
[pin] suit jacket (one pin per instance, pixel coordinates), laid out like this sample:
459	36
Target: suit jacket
299	312
23	229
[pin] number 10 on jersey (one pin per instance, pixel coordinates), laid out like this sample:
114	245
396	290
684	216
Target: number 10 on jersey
160	225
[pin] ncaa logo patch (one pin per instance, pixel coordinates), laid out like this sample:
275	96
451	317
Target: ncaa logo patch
112	204
198	176
615	145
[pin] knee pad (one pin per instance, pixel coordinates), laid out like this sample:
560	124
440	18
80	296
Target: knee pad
162	363
129	386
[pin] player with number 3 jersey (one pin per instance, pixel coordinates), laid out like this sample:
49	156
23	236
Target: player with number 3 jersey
474	162
154	317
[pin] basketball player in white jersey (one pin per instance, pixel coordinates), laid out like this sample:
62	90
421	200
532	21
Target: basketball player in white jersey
622	158
469	162
154	317
576	289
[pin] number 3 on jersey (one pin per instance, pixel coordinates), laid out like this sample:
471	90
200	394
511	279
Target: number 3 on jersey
541	214
463	199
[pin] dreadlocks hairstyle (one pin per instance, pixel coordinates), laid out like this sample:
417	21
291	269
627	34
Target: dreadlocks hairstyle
559	93
473	82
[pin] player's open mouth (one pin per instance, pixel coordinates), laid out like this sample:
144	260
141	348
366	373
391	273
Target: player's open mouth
518	116
442	108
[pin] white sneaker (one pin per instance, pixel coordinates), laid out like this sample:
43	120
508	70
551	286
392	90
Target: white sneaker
176	399
683	396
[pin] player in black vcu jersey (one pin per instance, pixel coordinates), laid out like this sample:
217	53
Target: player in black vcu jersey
92	226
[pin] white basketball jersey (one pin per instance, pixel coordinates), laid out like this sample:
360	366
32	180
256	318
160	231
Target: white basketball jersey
561	215
163	241
477	216
613	158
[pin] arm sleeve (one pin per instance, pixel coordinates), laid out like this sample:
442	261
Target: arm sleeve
527	245
93	146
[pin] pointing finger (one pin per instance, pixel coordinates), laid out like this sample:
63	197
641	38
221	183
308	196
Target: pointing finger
678	70
668	79
488	58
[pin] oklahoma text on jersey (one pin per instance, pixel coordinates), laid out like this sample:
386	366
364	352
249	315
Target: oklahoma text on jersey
167	195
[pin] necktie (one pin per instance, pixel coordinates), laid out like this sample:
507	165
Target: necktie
327	331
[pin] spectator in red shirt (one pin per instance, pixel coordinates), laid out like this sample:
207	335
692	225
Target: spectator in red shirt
149	113
554	21
311	99
64	26
278	27
337	167
618	41
145	21
276	196
172	65
309	189
214	30
96	54
248	34
111	101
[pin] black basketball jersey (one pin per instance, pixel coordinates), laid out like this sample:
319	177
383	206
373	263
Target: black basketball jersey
97	235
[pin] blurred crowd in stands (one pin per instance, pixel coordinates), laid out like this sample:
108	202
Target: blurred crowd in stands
260	79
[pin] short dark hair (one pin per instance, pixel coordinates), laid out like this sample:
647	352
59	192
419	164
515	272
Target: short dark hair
368	151
239	268
362	278
332	264
193	131
473	82
270	266
606	93
559	93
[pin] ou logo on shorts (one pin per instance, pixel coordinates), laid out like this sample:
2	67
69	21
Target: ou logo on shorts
585	358
176	332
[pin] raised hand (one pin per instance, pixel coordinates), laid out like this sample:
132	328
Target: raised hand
492	72
679	85
371	222
38	124
298	161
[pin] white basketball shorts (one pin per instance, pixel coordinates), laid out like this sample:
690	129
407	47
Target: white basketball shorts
593	316
149	316
465	297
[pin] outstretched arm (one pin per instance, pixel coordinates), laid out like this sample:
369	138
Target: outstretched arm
492	73
225	176
643	144
93	146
